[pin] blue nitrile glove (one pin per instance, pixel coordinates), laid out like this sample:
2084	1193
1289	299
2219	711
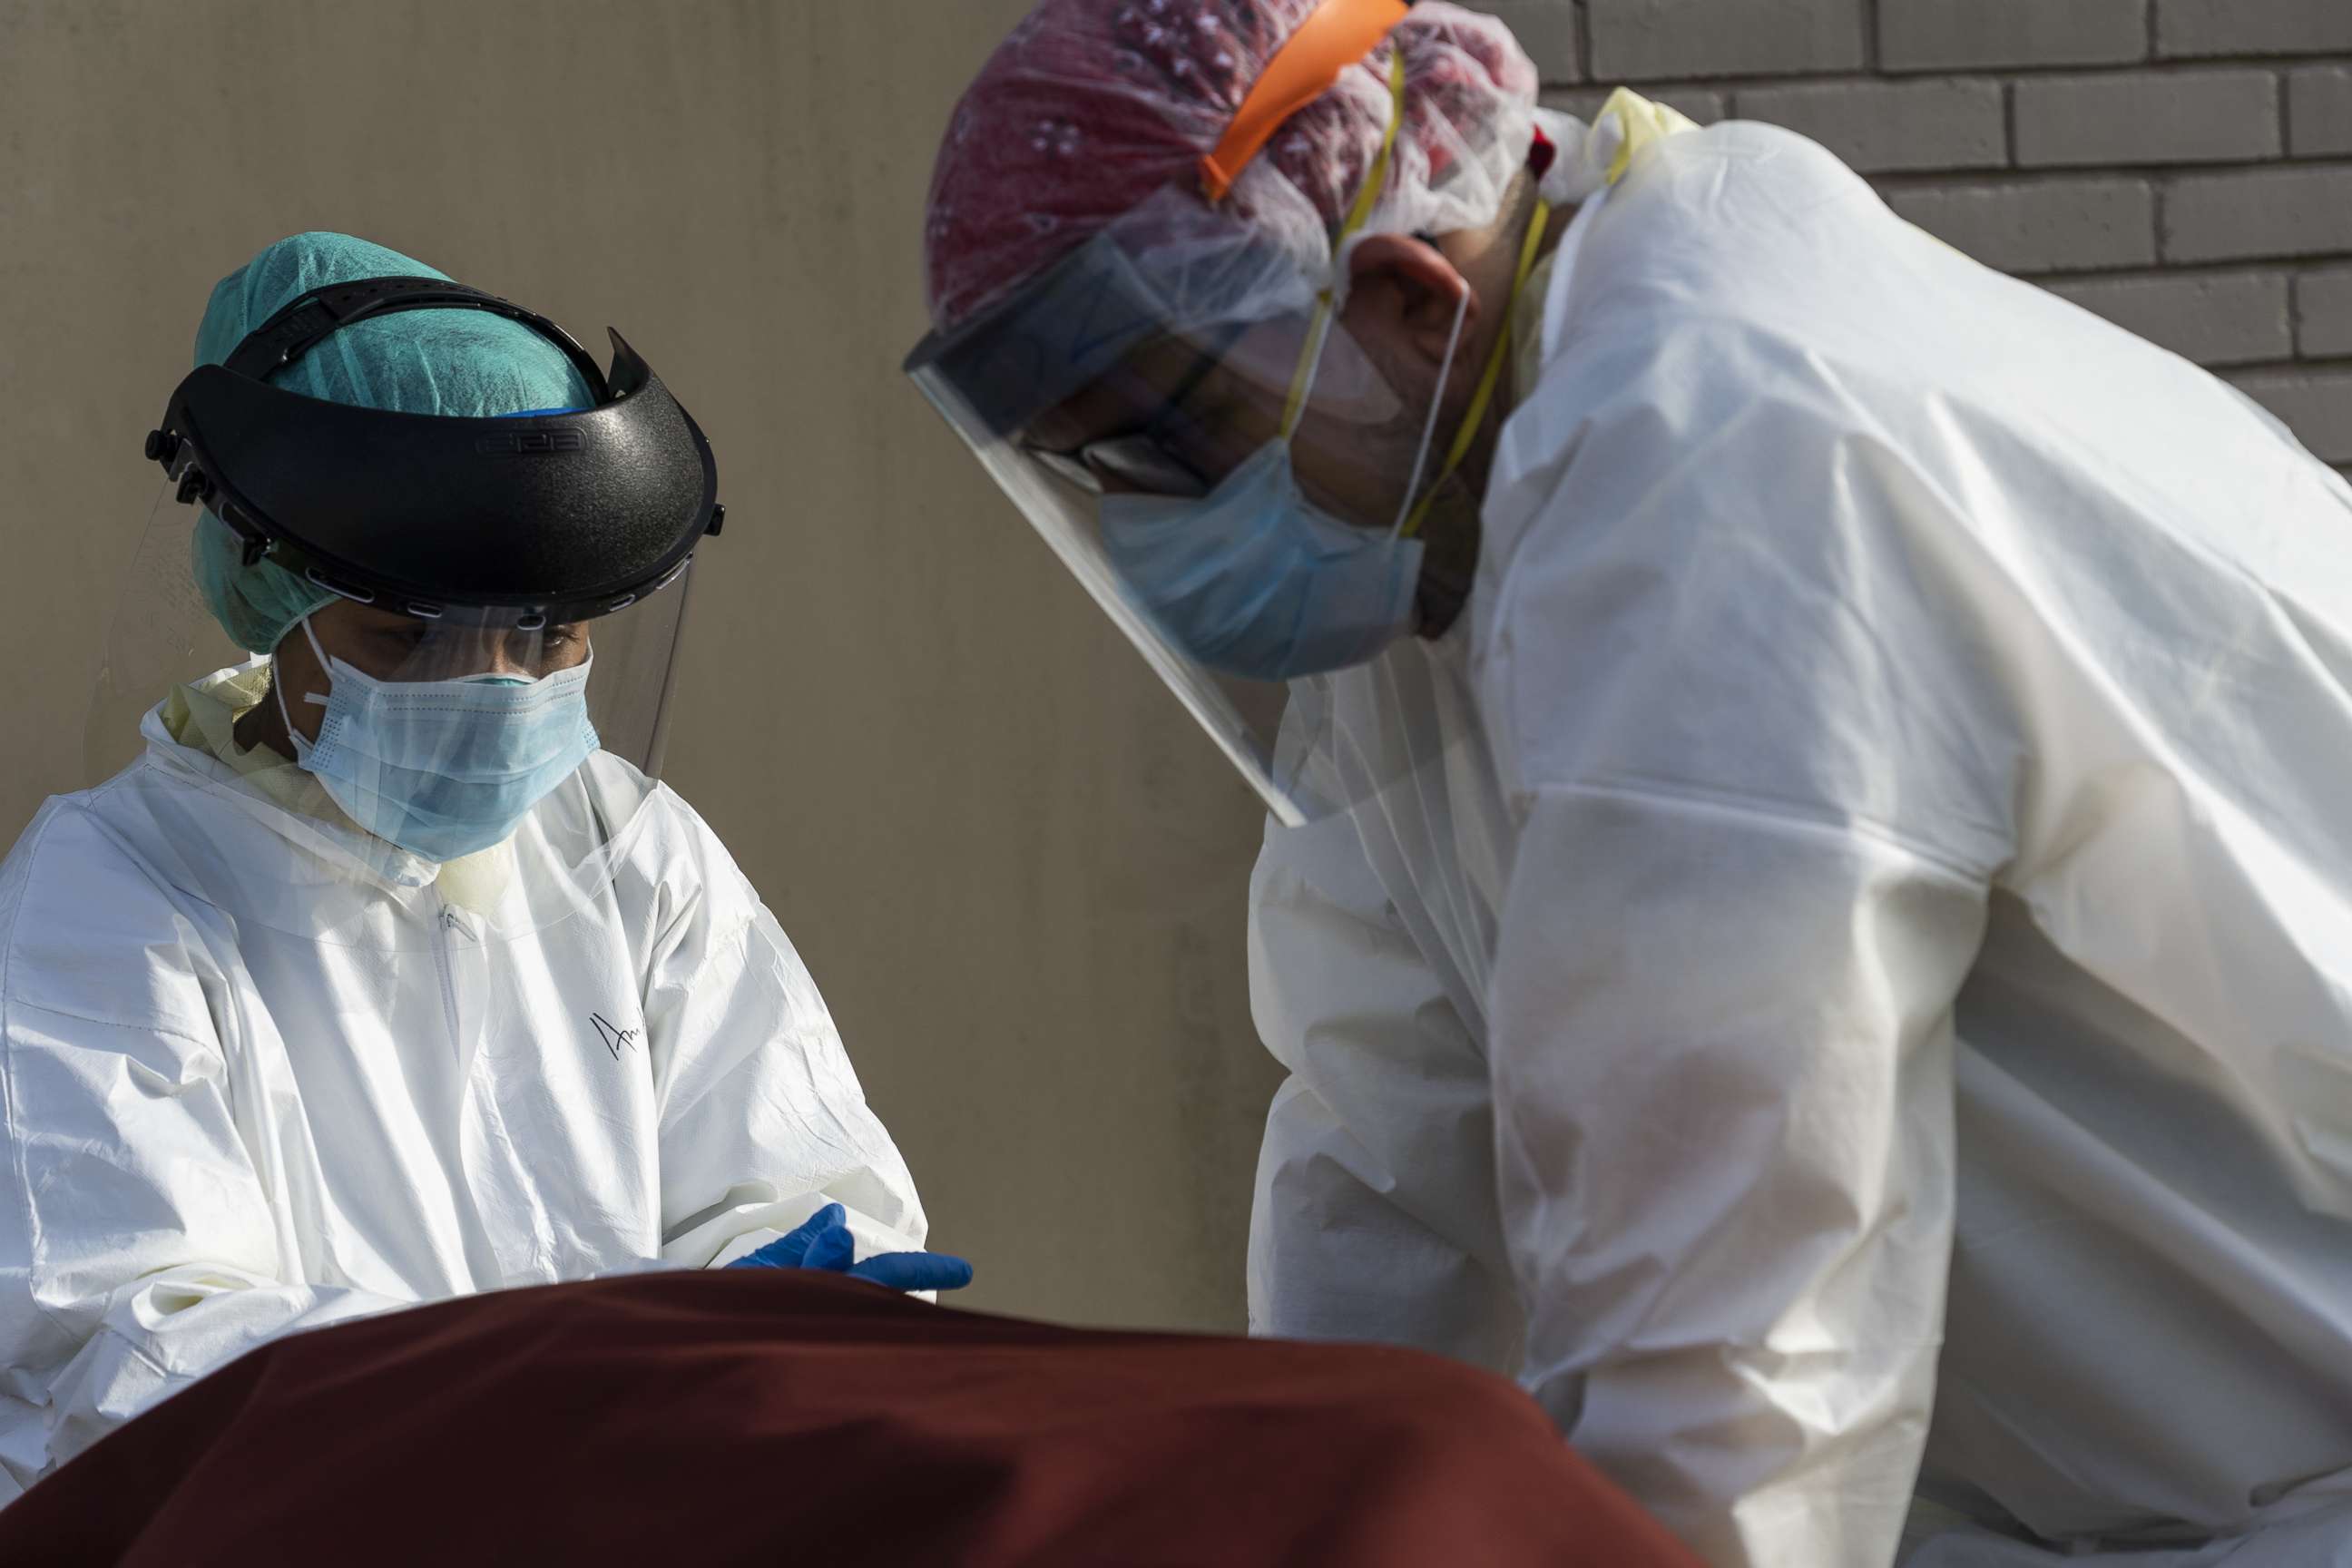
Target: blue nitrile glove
823	1242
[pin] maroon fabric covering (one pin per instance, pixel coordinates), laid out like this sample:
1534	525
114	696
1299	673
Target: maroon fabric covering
750	1416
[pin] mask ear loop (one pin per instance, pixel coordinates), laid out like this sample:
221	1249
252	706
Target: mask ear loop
325	669
1482	401
1437	406
277	687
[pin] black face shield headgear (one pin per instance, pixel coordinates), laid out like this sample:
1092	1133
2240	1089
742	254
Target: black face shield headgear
514	522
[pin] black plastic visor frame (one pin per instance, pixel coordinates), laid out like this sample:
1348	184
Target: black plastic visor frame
521	522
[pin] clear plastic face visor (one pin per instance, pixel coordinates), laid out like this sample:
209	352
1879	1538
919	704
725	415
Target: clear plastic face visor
504	769
163	635
1158	361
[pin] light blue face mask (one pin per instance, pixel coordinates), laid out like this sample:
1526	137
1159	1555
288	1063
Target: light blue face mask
443	768
1255	581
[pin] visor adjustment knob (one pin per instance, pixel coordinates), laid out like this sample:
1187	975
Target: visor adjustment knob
718	520
195	486
162	446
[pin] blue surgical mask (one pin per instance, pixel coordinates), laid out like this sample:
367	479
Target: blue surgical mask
444	768
1255	581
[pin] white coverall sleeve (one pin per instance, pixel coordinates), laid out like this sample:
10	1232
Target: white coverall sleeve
762	1119
1375	1216
139	1246
1723	1052
1758	772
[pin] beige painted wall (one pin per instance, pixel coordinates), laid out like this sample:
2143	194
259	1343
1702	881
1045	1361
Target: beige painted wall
1014	869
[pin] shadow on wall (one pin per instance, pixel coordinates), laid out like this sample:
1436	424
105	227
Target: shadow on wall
1015	868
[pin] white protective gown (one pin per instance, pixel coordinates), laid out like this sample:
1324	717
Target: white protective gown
221	1126
1895	873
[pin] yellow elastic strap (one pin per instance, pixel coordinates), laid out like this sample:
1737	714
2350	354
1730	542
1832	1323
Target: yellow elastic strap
1482	403
1358	215
1369	197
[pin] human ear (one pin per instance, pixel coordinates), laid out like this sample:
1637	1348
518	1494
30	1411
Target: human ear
1404	289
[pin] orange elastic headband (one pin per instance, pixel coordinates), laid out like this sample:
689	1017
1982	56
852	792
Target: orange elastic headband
1340	34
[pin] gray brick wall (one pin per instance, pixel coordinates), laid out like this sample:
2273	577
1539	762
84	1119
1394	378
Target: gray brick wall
2182	167
2319	116
2323	313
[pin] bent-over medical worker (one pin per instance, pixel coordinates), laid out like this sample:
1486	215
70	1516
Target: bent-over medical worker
376	979
1809	901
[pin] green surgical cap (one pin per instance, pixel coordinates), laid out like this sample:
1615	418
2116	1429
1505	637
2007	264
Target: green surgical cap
462	364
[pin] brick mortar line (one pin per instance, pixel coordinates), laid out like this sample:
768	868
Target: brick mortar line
2118	68
2288	267
2023	174
2285	117
2154	173
2278	64
2285	161
2332	364
2318	261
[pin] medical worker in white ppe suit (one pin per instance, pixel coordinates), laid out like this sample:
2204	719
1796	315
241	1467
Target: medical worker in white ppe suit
1808	909
375	979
